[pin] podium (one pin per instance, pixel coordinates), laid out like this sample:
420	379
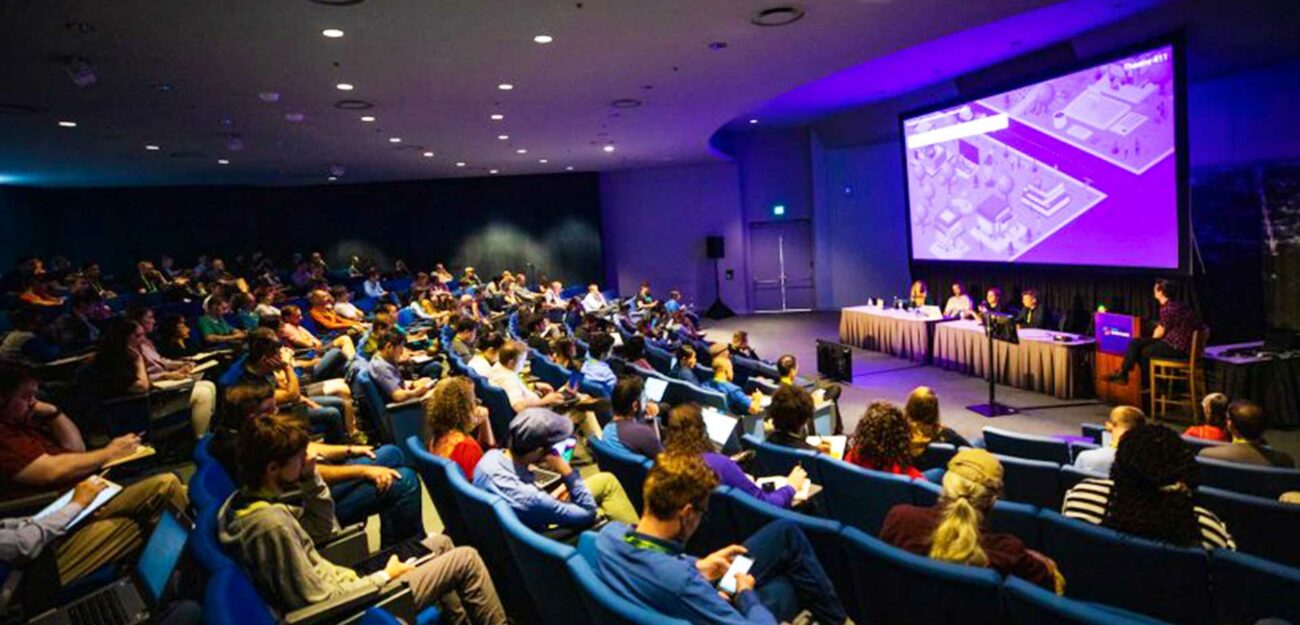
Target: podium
1113	333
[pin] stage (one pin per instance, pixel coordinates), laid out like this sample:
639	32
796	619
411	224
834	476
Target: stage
880	376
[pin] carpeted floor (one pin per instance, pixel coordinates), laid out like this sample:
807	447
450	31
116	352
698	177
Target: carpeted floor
878	376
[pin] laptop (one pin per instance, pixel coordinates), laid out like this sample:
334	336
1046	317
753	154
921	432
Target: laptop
655	389
411	549
722	429
132	599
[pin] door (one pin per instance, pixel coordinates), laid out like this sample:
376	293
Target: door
781	266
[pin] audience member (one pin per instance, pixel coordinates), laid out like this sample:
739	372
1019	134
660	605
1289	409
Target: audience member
276	541
385	371
267	362
686	434
534	433
594	369
28	341
1122	420
1150	493
954	529
1215	427
644	300
790	413
594	300
1246	424
462	344
323	315
922	412
628	430
738	402
686	361
174	338
564	352
74	330
40	293
266	303
241	308
634	352
343	305
452	413
740	346
487	351
42	450
332	360
882	441
214	329
647	566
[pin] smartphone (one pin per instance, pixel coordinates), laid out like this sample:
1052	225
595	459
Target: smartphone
739	565
564	448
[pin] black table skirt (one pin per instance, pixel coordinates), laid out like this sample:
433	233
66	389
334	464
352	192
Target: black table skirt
1273	384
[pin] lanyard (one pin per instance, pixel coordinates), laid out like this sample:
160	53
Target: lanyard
641	543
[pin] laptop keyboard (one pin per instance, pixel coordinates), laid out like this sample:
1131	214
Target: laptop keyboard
101	608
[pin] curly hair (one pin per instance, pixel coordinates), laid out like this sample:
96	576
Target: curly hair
450	408
883	438
684	431
676	480
1155	475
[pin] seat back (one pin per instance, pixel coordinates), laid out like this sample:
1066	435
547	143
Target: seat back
406	317
486	535
858	497
204	544
1072	475
1093	431
660	359
547	370
1172	583
1007	517
433	471
500	413
1028	604
1260	526
1008	443
210	485
541	561
1031	481
203	450
231	599
373	404
1268	482
631	469
935	456
894	586
378	616
681	392
1248	589
605	607
1197	444
770	459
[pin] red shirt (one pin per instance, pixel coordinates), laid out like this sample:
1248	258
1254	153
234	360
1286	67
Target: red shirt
1208	432
20	445
911	527
852	456
465	452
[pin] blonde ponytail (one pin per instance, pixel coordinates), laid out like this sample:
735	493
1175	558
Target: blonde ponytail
957	538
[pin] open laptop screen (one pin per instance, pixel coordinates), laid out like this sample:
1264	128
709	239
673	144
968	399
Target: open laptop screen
654	389
161	554
720	426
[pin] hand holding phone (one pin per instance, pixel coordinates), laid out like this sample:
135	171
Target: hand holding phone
739	566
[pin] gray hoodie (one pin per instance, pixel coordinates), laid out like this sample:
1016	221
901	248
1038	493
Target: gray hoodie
275	542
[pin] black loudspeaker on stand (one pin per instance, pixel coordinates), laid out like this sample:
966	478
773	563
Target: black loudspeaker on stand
716	248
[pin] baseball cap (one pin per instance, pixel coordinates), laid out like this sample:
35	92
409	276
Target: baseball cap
979	466
538	427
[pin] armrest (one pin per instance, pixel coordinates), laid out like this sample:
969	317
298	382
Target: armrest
334	610
414	401
124	399
346	547
27	506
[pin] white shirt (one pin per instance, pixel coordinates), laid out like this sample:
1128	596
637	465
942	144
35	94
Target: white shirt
594	302
554	299
957	305
266	310
374	289
480	365
510	382
1096	460
348	310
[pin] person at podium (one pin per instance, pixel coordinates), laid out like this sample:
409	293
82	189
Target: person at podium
992	304
1031	315
1172	337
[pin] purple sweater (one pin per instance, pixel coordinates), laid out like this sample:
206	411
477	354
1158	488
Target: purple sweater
730	474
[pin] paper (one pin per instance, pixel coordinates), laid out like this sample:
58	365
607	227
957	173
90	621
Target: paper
204	367
168	385
143	451
837	443
102	498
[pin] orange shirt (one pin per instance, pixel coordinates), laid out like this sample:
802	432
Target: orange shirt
330	320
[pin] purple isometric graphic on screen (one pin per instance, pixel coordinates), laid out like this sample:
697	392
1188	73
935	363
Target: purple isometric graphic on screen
1077	170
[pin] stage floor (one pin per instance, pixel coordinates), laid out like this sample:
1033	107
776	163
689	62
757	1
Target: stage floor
880	376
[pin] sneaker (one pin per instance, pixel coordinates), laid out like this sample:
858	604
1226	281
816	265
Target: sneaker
1116	378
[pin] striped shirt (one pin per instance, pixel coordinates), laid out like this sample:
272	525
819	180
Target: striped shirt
1089	500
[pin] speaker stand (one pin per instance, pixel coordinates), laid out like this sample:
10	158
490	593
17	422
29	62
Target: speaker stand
718	310
993	408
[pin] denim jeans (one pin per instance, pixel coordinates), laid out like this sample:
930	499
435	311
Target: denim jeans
328	419
398	507
785	565
332	365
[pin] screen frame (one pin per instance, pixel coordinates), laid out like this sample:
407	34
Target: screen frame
1177	42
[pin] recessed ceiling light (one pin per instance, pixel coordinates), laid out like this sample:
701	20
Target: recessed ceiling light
753	121
503	137
542	160
269	96
394	139
67	124
568	168
496	117
294	117
460	163
222	161
332	33
152	148
332	178
521	151
543	39
367	118
343	86
505	86
494	171
608	148
428	155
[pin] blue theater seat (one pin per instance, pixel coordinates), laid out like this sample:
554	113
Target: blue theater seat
1263	527
1028	604
541	561
858	497
1247	588
1029	447
1105	566
1248	479
500	413
433	471
935	456
606	608
396	420
210	485
1033	482
630	468
772	459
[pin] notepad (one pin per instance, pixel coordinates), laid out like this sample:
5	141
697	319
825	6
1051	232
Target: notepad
838	443
143	451
102	498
